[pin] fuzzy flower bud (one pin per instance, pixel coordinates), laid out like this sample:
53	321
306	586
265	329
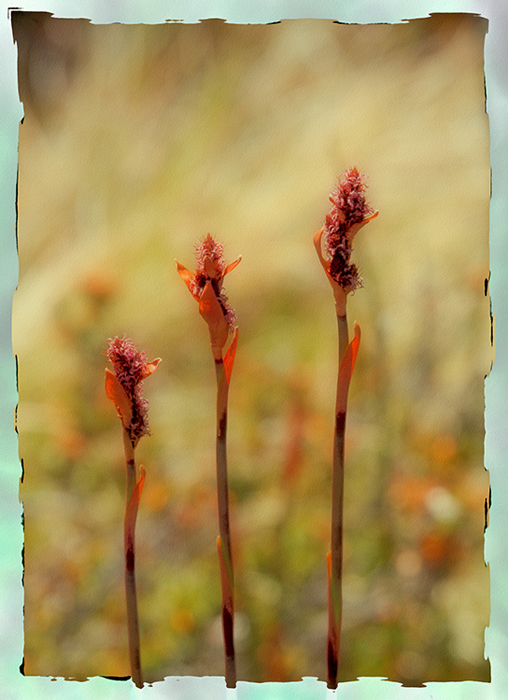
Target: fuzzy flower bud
124	385
205	285
211	267
348	213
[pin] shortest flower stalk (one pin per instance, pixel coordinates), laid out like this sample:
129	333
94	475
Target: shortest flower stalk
123	388
349	213
206	286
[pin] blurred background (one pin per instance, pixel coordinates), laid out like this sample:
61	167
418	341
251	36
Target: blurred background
136	142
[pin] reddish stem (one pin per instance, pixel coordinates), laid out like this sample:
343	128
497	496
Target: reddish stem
132	501
224	542
347	355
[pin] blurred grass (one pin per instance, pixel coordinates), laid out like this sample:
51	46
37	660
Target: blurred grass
137	141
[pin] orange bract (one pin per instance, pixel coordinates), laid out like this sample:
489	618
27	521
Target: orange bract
346	369
205	285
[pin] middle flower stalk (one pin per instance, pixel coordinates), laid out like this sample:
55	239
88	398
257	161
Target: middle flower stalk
206	287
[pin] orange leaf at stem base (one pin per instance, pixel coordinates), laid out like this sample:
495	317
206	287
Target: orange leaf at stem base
131	511
229	357
346	370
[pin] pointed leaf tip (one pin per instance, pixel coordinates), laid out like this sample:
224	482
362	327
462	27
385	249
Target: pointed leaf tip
232	265
355	345
152	366
185	274
346	370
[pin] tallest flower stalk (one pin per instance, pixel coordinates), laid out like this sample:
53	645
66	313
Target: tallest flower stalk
348	214
206	287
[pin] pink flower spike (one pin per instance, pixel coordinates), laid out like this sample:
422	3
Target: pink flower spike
349	213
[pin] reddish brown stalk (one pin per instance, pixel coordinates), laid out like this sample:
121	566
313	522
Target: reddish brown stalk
335	556
131	510
224	540
349	213
206	287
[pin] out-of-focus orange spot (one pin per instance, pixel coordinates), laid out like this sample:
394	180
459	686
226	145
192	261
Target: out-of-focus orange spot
434	548
444	448
100	284
274	657
388	612
71	443
320	527
408	563
198	508
473	493
475	278
294	444
371	379
409	493
116	661
72	572
182	621
155	496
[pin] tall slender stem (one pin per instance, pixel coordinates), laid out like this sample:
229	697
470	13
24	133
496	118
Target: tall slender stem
130	577
225	554
335	573
343	332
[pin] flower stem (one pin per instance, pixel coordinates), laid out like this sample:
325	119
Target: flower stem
225	556
343	333
335	572
130	578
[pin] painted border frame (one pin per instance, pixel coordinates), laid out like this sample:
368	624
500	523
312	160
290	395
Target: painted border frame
14	684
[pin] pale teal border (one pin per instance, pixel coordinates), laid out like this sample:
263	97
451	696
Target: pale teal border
13	684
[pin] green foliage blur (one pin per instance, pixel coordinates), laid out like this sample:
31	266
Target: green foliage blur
136	142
